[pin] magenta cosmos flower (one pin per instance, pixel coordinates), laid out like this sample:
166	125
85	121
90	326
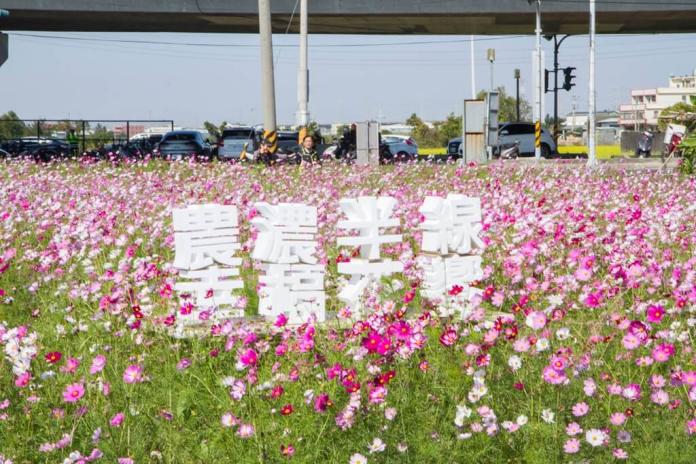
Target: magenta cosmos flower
73	392
655	313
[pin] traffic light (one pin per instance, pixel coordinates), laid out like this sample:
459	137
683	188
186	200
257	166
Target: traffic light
569	76
546	81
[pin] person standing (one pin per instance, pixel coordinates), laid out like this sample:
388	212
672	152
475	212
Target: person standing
73	141
307	153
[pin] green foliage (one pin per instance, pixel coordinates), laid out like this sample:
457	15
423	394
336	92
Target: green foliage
508	109
9	128
688	147
423	134
213	130
100	136
681	113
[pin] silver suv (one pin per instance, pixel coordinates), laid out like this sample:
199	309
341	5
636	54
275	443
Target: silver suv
509	133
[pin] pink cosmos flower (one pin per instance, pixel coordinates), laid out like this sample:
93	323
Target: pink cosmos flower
580	409
571	446
552	376
659	397
448	337
23	379
245	431
663	352
70	366
536	320
617	419
322	402
73	392
630	341
632	392
573	429
229	420
133	374
98	364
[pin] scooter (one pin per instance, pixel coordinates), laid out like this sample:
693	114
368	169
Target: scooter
509	150
645	144
673	138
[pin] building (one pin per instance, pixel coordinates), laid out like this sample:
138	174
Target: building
579	120
647	104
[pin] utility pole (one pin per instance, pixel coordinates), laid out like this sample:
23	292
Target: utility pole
591	158
517	93
473	66
267	78
303	76
540	77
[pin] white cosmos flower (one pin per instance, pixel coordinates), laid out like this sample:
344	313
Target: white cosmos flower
377	446
515	362
595	437
548	416
357	458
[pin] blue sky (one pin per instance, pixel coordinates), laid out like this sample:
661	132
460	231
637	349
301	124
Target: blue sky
351	77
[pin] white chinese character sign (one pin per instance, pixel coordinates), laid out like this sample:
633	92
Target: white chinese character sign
206	238
293	282
368	216
452	245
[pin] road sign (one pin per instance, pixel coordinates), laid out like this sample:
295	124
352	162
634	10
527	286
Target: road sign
4	41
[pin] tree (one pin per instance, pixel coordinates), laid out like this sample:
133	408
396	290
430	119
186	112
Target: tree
424	135
680	113
10	128
100	136
449	128
213	130
507	111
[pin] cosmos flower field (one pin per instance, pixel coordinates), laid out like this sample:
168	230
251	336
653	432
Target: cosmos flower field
581	348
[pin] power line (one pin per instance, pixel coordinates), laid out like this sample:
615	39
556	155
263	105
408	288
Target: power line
219	45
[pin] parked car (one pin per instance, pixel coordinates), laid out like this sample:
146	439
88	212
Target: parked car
523	132
402	147
235	140
46	152
176	145
509	134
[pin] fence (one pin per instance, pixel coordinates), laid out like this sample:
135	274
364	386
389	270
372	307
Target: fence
629	141
17	134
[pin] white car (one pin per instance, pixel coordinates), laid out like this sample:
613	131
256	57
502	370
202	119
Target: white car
236	140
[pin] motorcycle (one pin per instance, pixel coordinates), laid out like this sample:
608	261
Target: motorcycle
645	144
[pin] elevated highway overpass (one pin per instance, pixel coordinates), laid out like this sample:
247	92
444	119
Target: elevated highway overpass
495	17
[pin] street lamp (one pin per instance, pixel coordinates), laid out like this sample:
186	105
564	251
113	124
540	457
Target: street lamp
490	54
539	77
517	93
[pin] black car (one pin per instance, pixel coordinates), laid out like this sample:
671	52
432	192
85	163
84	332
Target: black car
181	144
